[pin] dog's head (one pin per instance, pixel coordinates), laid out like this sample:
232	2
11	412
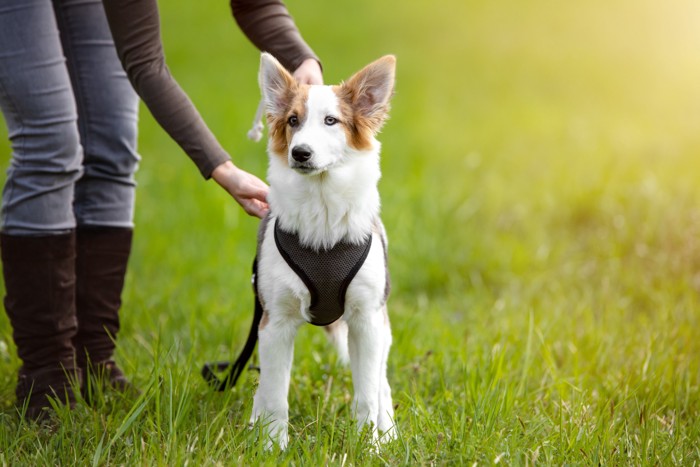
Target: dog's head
314	128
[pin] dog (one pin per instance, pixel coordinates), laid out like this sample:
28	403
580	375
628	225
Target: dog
322	248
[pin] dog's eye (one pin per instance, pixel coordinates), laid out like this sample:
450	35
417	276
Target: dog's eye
330	121
293	120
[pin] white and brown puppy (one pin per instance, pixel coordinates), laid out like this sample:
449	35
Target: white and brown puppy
324	215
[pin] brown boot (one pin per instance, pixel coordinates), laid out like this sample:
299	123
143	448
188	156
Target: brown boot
102	256
39	277
34	388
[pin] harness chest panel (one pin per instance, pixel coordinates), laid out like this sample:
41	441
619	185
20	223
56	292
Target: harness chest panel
326	273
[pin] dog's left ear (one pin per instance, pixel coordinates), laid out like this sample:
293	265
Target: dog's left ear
276	84
369	90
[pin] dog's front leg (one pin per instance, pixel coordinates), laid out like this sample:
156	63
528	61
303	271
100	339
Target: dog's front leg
365	343
276	351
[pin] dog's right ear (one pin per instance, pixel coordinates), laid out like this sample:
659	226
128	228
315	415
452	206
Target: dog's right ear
276	84
369	91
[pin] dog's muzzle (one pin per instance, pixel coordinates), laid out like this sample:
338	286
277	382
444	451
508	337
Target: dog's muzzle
302	153
302	161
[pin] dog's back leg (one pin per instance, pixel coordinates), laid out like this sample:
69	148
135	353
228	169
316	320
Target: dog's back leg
385	417
337	333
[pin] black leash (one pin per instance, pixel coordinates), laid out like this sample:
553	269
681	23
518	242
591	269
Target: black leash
236	368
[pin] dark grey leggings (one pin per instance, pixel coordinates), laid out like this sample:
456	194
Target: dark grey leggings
71	116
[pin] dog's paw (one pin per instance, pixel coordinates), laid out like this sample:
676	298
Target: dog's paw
385	420
275	431
278	435
388	435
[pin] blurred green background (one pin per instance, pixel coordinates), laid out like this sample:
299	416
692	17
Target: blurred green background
526	139
540	192
514	125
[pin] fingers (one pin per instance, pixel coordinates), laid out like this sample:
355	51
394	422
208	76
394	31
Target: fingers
251	193
255	207
309	72
253	199
253	188
247	189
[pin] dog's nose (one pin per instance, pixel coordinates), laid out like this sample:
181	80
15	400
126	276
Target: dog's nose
301	153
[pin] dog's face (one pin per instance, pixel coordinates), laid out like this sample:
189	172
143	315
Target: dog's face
315	128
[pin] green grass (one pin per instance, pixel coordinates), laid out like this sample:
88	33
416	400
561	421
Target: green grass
541	196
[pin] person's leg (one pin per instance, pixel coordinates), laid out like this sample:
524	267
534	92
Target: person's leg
108	110
104	195
38	238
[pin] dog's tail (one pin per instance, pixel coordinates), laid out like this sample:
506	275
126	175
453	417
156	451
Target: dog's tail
337	333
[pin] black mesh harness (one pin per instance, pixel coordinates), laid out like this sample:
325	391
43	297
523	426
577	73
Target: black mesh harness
327	273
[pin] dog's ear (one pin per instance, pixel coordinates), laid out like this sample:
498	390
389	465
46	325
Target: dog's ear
276	84
369	90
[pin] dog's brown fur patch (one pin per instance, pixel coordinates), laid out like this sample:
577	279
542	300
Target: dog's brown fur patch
280	130
358	130
364	101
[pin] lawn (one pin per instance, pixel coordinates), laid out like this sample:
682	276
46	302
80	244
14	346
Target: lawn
541	196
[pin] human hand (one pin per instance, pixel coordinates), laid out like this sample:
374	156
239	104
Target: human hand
309	72
247	189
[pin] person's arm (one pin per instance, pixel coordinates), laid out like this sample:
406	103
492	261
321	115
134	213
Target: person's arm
135	26
269	26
